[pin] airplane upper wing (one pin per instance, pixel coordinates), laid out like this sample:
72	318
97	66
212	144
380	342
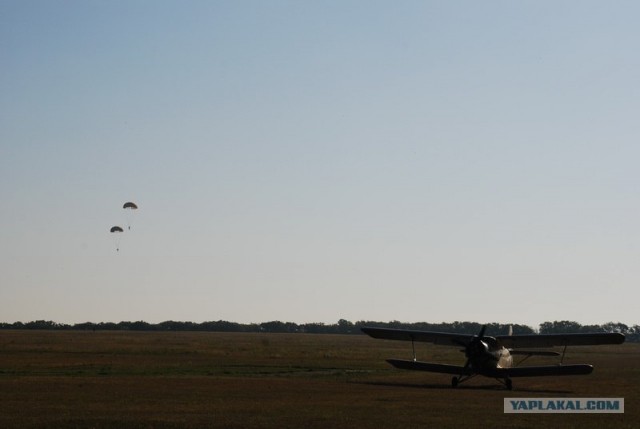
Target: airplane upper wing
441	338
509	341
550	340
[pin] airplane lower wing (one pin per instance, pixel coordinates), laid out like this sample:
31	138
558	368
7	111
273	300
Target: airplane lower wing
524	371
430	367
533	353
539	371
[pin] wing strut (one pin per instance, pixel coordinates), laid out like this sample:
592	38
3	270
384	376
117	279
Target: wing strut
413	346
563	352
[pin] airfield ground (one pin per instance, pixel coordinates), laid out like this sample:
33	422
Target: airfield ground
65	379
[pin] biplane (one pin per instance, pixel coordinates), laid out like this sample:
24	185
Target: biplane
492	356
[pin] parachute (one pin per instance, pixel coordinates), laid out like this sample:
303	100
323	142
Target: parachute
129	207
116	232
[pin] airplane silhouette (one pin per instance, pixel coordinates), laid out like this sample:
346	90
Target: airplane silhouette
493	356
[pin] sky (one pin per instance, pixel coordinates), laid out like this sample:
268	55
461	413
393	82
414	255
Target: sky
310	161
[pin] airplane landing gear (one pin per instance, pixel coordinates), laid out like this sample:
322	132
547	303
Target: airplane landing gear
509	384
455	381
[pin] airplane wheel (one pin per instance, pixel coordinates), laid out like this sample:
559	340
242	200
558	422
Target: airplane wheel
454	382
509	384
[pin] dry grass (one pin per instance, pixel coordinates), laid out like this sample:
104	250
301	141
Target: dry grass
214	380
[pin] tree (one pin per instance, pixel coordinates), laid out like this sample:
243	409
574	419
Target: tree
561	327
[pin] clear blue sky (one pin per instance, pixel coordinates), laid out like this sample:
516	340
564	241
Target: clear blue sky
310	161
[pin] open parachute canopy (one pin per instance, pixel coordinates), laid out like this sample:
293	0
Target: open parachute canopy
116	229
130	205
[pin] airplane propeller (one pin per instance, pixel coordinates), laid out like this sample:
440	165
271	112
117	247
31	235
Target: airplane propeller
473	348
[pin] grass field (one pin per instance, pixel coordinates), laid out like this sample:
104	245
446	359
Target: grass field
60	379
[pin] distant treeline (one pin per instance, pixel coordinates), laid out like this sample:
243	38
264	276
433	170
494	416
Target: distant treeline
342	327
